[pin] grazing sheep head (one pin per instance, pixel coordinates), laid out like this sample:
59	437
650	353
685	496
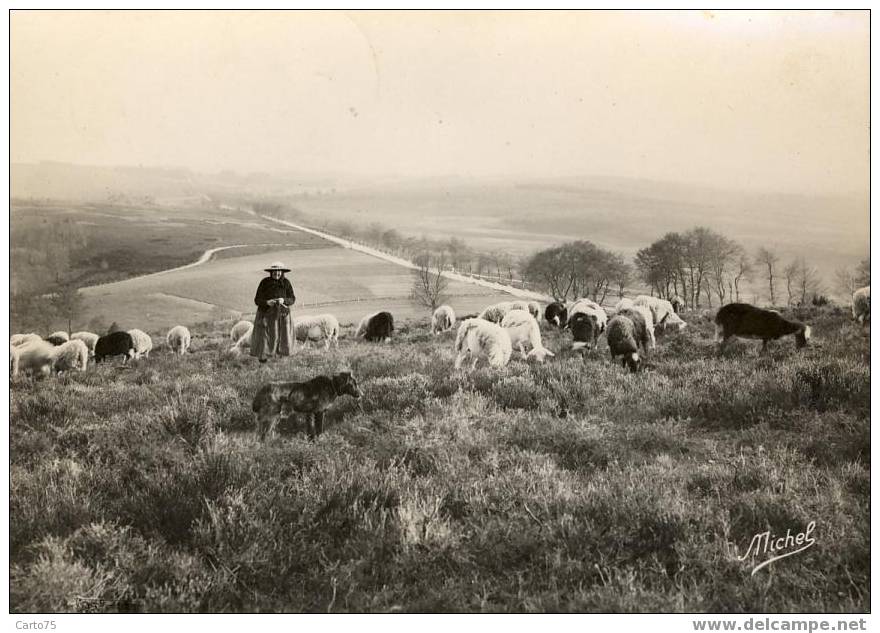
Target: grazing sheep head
632	362
540	353
802	337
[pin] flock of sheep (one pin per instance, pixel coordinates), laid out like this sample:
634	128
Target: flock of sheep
493	334
59	352
503	327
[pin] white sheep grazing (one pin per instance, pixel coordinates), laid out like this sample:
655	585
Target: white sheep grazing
178	339
88	338
495	312
142	343
522	328
20	339
861	308
60	334
316	328
589	307
624	304
481	338
442	320
660	308
72	355
43	357
535	309
240	329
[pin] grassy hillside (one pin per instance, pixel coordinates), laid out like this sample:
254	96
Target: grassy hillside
569	486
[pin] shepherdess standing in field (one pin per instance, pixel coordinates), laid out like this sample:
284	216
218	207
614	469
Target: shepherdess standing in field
273	327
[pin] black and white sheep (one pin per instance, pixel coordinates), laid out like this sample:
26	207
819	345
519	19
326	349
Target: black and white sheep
321	327
376	327
747	321
480	338
623	336
115	344
522	328
443	319
861	306
556	314
57	338
584	330
178	339
587	306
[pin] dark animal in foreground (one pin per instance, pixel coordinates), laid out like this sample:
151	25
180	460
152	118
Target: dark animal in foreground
115	344
376	327
556	314
747	321
585	330
314	397
625	332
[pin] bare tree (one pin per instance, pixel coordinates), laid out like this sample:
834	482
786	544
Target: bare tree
845	282
767	259
807	280
743	272
863	273
429	284
790	273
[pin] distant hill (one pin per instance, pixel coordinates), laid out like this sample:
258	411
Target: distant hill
66	181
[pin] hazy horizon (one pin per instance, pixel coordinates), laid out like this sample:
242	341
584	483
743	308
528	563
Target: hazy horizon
754	101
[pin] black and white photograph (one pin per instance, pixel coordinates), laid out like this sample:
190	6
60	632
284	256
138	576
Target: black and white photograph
440	312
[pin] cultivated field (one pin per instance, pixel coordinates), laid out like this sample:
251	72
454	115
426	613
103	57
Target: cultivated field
122	241
568	486
621	215
347	283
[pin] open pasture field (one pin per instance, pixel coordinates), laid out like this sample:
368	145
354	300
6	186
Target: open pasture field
122	241
622	215
347	283
568	486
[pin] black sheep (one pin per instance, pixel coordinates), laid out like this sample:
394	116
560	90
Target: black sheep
585	330
378	327
747	321
115	344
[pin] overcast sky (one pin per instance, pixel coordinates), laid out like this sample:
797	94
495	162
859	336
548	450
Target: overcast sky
745	100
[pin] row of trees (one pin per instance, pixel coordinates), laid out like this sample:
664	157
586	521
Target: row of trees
578	269
456	253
